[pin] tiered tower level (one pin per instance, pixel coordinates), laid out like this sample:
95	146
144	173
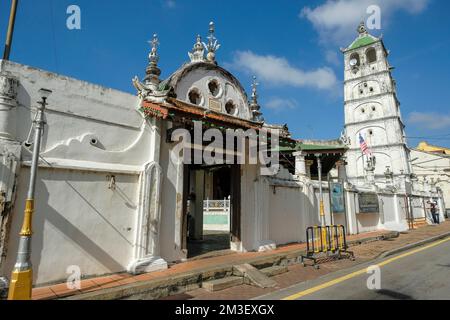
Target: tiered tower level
372	110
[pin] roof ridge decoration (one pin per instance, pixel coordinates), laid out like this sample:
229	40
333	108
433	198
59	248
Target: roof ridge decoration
254	105
198	52
213	45
150	89
364	38
362	30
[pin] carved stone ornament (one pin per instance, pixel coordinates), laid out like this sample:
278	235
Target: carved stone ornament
8	86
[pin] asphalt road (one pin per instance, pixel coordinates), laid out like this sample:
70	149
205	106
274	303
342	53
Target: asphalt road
419	274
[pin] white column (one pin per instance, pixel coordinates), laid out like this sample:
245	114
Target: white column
300	164
351	212
441	208
146	245
261	227
10	155
8	106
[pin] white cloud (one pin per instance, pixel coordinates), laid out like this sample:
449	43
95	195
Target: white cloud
277	71
336	20
332	57
429	120
171	3
280	104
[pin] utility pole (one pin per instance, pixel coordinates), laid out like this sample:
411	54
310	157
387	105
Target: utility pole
22	275
9	34
322	209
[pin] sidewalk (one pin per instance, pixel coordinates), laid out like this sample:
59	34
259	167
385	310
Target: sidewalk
192	272
366	252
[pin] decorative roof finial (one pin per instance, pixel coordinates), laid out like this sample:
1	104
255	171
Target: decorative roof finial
152	71
255	90
151	88
154	57
362	28
254	105
198	52
212	45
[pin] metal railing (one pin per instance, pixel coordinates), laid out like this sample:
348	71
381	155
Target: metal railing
326	241
216	205
216	215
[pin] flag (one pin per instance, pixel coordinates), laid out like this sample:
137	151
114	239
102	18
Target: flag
363	145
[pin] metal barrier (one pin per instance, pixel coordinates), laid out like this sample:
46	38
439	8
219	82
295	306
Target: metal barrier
326	240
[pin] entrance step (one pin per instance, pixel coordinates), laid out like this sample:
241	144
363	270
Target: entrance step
275	270
221	284
253	276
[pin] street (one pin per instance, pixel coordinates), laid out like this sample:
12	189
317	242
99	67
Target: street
420	273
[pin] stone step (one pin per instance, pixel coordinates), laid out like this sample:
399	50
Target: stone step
275	270
253	276
221	284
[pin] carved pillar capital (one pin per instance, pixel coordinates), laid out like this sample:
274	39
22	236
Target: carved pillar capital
8	86
8	101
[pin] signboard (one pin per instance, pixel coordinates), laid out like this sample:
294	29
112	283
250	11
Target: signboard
368	203
215	105
337	198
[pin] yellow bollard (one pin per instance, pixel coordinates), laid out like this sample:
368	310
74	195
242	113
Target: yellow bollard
324	238
333	236
316	239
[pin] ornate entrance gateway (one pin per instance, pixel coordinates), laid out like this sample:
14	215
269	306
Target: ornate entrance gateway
211	210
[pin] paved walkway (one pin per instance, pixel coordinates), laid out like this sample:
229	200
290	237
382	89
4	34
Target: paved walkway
117	280
297	273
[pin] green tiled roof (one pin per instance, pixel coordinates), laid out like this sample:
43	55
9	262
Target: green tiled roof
310	147
318	147
361	42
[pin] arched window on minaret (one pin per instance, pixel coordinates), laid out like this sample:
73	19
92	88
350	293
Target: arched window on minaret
355	60
371	55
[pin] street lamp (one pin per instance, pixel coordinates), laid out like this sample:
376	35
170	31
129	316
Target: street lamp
22	275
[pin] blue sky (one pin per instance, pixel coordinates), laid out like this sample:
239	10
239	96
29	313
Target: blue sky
292	46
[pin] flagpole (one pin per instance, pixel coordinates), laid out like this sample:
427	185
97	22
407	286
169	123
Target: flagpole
9	34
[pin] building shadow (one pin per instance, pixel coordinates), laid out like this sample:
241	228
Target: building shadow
394	294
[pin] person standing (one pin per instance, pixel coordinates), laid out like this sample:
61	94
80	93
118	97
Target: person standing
434	212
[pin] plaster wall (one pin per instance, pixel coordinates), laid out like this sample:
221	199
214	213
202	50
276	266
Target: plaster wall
77	221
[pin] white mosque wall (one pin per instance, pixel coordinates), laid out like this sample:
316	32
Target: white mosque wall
78	222
94	148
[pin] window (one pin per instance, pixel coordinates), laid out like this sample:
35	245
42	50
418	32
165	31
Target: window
371	55
363	110
354	60
214	88
195	97
373	108
230	107
371	89
371	132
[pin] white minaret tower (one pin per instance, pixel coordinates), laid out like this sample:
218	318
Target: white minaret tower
372	111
